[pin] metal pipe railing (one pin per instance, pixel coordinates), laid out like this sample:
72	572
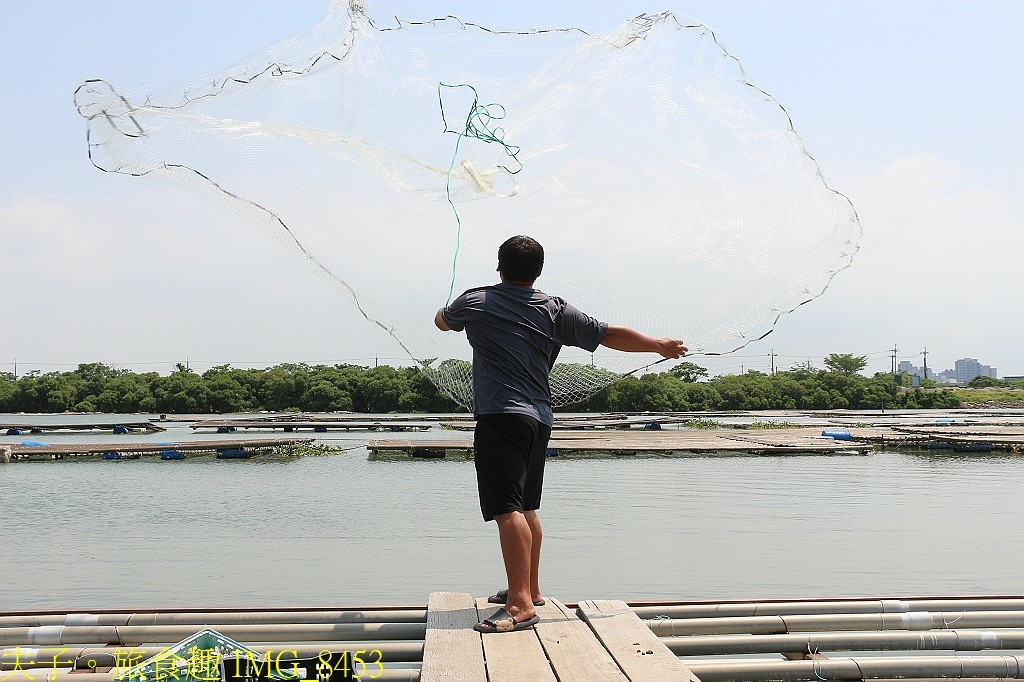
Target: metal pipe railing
828	606
47	675
214	618
933	667
131	635
86	658
932	640
772	625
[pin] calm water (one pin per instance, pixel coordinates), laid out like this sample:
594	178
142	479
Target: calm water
343	530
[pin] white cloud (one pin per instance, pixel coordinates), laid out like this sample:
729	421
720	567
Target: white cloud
159	274
938	267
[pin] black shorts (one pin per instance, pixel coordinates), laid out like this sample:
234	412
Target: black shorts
509	451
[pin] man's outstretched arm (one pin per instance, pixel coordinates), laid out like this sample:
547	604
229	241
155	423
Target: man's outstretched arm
439	321
623	338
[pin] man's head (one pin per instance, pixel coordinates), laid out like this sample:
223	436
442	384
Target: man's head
520	260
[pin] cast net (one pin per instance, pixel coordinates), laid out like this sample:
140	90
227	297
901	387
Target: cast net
670	193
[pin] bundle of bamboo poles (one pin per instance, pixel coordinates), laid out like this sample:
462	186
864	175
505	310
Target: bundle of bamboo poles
921	638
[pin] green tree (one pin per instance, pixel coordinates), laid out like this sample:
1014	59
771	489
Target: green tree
846	363
701	396
226	392
324	396
96	387
627	395
57	392
183	391
880	392
689	372
382	390
985	382
7	388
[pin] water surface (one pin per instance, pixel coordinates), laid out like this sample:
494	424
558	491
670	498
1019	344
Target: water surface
343	530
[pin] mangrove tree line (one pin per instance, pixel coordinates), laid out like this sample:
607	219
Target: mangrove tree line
95	387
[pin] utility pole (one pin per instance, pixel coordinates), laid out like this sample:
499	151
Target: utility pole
925	353
741	369
894	359
773	355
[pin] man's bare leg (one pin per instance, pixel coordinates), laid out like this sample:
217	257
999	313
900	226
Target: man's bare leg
536	536
516	538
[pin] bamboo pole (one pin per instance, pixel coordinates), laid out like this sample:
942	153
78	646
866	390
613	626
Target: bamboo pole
48	675
214	619
773	625
86	658
946	667
137	635
711	610
941	640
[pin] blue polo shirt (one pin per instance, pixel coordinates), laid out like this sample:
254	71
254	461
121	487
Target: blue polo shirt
516	333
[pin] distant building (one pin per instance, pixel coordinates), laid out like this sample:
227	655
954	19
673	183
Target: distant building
907	367
912	370
1020	378
964	370
969	368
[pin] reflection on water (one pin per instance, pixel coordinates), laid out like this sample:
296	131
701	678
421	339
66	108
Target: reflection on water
343	530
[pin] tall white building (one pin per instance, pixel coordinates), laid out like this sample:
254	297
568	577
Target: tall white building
968	368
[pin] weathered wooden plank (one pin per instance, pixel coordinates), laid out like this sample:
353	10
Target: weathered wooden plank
186	446
334	425
513	656
410	443
84	426
637	650
574	652
451	648
795	440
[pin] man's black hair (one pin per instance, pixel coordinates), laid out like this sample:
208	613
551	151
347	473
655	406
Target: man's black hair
521	259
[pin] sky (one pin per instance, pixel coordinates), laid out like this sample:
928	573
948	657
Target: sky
912	109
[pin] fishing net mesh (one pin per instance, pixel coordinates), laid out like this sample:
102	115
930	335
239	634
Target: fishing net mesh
394	156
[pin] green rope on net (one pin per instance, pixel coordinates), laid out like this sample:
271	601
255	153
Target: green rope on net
477	126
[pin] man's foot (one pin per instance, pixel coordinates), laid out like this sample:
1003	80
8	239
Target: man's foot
501	597
503	621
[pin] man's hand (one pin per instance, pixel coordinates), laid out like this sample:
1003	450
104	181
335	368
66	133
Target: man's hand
439	321
671	348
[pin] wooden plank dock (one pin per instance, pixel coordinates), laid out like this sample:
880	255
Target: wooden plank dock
996	437
635	648
923	638
146	426
597	422
757	441
667	442
317	425
248	446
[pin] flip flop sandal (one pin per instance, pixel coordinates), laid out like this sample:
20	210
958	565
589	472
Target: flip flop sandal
501	596
502	621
